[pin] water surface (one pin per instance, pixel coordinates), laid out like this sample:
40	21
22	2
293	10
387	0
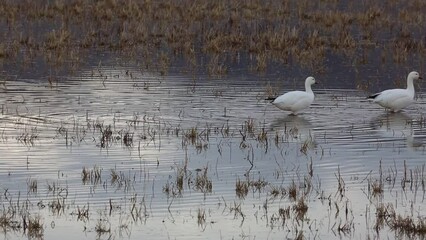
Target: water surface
331	153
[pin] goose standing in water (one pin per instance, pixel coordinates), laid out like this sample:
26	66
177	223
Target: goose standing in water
295	101
396	99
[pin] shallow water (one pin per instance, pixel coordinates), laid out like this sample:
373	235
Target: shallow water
50	133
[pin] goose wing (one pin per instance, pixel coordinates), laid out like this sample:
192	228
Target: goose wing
393	98
293	100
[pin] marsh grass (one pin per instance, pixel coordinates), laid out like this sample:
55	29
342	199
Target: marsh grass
180	174
191	135
33	225
216	67
258	185
83	213
241	188
158	32
277	191
383	213
102	227
408	225
28	136
8	222
176	188
270	91
201	217
92	176
341	186
284	214
376	188
106	135
127	139
403	225
249	126
138	209
202	181
292	191
57	205
32	185
262	137
120	180
115	176
237	210
300	209
345	227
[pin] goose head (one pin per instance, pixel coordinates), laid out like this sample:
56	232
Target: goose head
310	81
414	76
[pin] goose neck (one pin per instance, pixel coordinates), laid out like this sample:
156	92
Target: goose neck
410	85
308	88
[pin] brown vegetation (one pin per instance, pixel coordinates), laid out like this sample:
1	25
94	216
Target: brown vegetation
157	31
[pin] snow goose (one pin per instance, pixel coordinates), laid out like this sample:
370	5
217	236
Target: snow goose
396	99
295	101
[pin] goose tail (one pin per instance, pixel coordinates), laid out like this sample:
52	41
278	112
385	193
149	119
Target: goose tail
373	96
271	99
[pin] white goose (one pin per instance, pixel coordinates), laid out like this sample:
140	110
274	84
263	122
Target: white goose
295	101
396	99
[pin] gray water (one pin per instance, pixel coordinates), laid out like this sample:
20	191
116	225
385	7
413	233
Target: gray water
49	133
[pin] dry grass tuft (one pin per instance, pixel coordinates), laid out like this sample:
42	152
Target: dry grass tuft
34	227
241	188
300	209
408	225
92	176
202	181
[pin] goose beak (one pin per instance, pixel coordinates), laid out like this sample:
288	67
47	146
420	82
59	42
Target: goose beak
420	78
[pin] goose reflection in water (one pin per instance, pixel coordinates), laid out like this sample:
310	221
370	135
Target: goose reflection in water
293	128
397	126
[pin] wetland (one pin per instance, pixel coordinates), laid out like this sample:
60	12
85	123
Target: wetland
147	119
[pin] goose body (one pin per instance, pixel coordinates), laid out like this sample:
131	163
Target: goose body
396	99
295	101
